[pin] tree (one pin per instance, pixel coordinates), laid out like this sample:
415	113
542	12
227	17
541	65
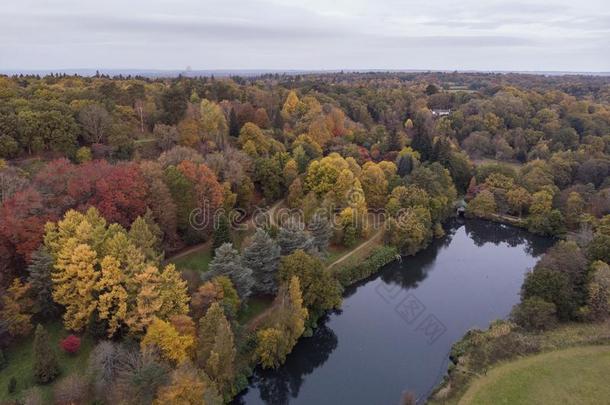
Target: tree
17	309
321	291
233	124
188	386
518	199
145	234
320	230
483	205
167	136
162	336
227	262
74	282
293	236
41	284
222	233
535	314
112	298
147	301
374	184
96	122
216	350
219	289
574	210
71	344
173	293
45	367
213	122
262	256
276	342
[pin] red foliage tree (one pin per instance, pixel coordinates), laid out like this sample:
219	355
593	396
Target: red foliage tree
120	195
22	219
70	344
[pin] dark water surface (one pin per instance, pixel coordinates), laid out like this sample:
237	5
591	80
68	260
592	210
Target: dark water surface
394	330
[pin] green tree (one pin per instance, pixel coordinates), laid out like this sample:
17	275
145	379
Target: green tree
293	236
320	230
262	256
45	367
39	278
222	233
321	291
228	262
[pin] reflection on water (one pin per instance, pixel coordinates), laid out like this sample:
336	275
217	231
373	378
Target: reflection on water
394	330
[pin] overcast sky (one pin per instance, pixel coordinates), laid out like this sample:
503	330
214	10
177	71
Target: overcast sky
564	35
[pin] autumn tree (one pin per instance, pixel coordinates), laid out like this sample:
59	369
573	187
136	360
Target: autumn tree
216	349
162	336
16	309
220	289
276	342
74	282
112	298
188	386
321	291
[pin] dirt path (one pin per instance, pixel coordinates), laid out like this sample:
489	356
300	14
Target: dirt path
253	323
372	239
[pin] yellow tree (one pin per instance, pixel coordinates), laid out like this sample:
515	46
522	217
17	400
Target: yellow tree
148	302
173	293
290	105
17	309
188	386
172	346
74	282
112	299
216	349
374	184
213	122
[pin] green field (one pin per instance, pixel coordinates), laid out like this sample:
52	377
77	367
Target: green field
571	376
198	260
20	357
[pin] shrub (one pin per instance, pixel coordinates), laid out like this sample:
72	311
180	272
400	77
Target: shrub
380	257
535	314
70	344
71	390
12	385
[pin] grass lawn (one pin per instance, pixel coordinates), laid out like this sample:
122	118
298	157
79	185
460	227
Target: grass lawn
19	358
256	305
571	376
197	260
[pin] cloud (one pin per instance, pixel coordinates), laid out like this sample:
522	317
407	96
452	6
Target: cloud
313	34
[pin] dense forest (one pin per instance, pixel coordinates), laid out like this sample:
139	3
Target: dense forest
102	180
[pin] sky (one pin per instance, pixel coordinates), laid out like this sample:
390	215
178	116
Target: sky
535	35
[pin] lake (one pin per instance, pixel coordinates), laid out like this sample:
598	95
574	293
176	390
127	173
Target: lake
395	330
